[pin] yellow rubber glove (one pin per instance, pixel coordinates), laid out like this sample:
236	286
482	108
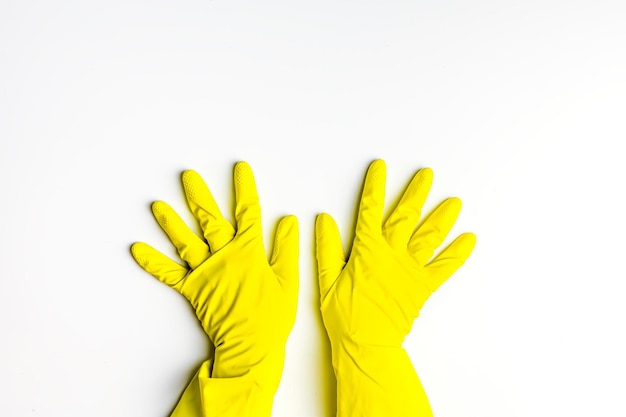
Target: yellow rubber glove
246	305
370	300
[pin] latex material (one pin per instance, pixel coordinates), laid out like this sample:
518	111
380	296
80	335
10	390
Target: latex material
246	305
370	299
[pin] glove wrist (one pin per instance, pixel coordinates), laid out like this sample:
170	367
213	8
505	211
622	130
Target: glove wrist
377	381
238	396
263	367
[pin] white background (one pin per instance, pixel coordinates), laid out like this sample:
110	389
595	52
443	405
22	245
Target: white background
518	106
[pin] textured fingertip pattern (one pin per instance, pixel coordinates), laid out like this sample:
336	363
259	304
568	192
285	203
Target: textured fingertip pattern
377	171
277	243
247	208
325	229
424	180
243	172
159	210
285	230
139	254
192	181
444	216
320	224
372	203
426	174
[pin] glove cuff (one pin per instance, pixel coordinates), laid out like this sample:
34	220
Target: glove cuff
240	396
377	381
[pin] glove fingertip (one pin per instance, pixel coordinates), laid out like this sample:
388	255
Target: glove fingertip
243	173
427	172
424	178
192	182
159	209
286	251
467	242
290	222
286	238
329	252
378	164
138	251
453	203
376	175
189	175
323	223
242	165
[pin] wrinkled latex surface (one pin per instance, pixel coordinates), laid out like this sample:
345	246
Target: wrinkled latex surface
246	305
370	299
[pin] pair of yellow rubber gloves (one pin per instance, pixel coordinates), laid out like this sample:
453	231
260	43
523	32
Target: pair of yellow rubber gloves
247	305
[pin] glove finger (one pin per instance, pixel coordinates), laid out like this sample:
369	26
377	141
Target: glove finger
404	218
158	265
216	229
284	260
190	247
373	199
247	208
449	260
431	234
330	255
